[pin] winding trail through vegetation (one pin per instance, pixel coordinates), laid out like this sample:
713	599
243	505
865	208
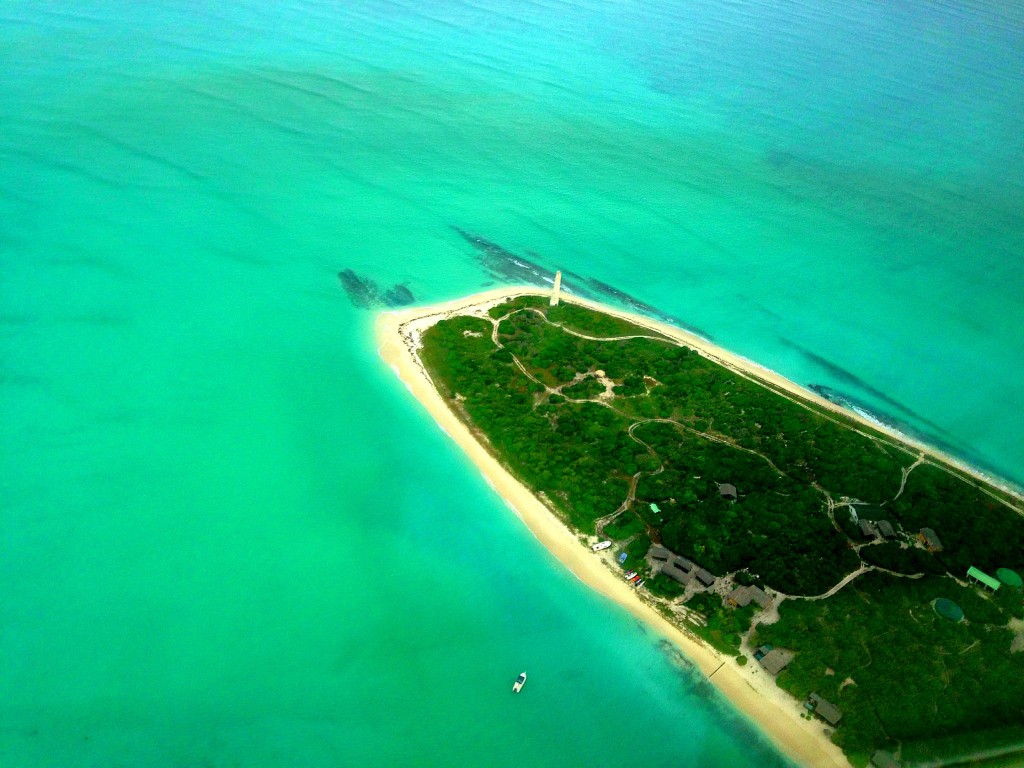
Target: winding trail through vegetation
601	522
823	412
627	504
906	474
634	424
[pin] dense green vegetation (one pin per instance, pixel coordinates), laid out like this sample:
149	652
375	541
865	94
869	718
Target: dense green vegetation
567	464
725	626
646	464
693	390
582	320
974	527
580	456
776	529
900	558
915	675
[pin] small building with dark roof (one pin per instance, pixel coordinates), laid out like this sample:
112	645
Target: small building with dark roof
683	564
930	539
739	596
743	596
675	573
867	530
658	553
761	651
759	596
776	660
727	491
885	528
705	577
826	710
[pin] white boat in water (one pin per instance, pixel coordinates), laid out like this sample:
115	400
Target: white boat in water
517	686
601	545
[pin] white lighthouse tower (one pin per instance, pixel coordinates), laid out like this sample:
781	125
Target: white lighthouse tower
556	289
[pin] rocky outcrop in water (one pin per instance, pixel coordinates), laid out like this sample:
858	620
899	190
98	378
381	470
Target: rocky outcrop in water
399	296
366	294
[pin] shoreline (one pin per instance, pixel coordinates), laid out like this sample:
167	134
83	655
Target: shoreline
773	711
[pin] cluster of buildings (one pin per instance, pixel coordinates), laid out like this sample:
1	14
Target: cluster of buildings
883	529
680	569
774	660
872	529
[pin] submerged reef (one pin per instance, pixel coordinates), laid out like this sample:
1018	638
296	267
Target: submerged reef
398	296
507	266
366	294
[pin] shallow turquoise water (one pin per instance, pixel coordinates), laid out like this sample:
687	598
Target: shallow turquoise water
229	537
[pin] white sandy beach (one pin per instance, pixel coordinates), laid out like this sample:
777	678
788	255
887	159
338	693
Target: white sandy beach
749	688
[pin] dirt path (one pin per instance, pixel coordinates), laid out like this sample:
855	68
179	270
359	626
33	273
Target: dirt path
906	474
921	459
633	482
602	522
603	401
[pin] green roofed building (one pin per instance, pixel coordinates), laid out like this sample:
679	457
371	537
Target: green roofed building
655	510
1010	578
982	578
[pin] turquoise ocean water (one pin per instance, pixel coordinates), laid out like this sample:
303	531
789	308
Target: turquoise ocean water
229	537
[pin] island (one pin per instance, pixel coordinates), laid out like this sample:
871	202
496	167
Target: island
854	592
